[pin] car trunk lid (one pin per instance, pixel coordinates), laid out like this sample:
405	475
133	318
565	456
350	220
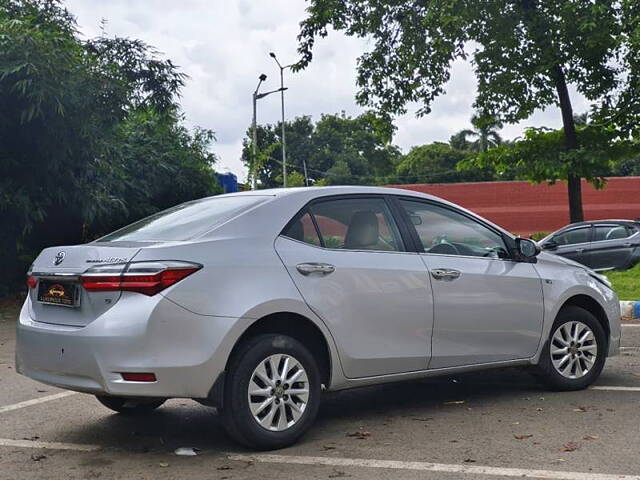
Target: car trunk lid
58	297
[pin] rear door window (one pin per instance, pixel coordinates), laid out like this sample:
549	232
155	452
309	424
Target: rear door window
611	232
187	220
357	224
303	230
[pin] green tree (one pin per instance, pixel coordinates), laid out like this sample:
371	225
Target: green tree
485	131
541	155
78	120
437	163
269	170
525	54
338	149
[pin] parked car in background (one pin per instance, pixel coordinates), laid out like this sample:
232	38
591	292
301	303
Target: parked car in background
255	302
598	244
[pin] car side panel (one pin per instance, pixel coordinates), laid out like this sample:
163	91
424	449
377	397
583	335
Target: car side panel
561	282
377	304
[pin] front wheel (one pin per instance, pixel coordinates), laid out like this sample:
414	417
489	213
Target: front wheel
575	353
272	392
130	406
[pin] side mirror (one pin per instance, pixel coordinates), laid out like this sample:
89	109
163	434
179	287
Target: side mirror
550	245
527	249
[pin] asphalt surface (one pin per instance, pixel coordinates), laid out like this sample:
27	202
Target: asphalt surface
480	425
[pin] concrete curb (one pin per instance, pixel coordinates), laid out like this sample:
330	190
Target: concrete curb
630	310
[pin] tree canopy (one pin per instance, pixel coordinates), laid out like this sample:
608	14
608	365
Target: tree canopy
525	53
338	149
90	133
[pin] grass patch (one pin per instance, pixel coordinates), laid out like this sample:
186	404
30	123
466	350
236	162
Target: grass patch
627	283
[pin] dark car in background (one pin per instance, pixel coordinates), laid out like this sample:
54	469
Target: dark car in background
598	244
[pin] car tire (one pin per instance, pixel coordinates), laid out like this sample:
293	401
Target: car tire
130	406
565	368
259	364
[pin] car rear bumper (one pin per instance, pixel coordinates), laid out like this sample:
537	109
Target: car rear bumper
185	351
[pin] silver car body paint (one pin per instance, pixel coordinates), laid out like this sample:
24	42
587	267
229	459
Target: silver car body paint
377	312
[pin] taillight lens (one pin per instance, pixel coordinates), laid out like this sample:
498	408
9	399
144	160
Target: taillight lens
32	281
147	278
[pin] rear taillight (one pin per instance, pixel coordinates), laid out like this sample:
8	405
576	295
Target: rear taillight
148	278
32	281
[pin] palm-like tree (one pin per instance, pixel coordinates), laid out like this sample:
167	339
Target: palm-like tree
485	132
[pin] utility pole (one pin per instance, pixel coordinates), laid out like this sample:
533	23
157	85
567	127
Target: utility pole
284	142
254	128
254	132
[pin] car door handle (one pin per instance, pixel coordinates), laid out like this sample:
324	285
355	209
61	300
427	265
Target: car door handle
628	244
447	274
311	268
579	250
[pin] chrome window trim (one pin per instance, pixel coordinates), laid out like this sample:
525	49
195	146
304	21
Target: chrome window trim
282	235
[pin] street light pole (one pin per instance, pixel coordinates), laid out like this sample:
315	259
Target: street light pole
254	132
254	127
284	142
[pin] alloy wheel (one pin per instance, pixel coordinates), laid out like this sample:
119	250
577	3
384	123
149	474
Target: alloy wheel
573	349
278	392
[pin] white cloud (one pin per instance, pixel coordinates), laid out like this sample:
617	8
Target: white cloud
223	46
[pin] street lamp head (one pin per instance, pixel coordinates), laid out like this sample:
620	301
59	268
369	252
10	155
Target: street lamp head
262	77
272	55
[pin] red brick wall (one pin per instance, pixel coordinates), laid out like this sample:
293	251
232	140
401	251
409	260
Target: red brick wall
523	208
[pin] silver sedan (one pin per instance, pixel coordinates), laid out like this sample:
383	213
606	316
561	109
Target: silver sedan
255	302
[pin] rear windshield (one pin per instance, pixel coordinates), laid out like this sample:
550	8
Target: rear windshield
185	221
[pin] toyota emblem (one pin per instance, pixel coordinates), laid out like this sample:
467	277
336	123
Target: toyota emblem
59	258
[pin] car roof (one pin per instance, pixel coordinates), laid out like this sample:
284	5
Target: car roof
298	197
593	222
334	190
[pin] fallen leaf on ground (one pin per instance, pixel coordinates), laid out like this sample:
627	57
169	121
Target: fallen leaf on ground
590	437
360	435
454	402
636	374
570	447
583	409
36	458
469	460
523	437
328	447
163	464
224	467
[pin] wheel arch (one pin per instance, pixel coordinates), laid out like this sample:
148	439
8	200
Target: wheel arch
287	323
592	306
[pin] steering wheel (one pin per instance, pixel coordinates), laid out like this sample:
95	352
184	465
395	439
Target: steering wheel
444	248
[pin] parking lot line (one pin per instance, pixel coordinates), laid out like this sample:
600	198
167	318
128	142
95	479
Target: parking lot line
35	401
614	388
630	325
7	442
429	467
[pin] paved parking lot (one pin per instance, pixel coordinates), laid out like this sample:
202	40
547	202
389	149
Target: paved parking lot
498	424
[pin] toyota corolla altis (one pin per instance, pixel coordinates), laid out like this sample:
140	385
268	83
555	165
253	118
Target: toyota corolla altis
255	302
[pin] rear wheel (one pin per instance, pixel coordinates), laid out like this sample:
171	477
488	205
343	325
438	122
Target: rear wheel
130	406
272	392
576	351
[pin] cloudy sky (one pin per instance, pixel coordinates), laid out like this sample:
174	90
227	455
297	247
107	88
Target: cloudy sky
223	46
